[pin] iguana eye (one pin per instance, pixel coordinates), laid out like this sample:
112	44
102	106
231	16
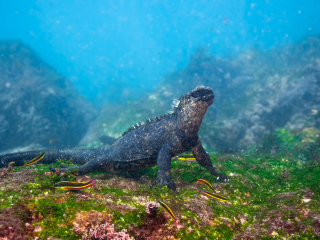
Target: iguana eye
195	94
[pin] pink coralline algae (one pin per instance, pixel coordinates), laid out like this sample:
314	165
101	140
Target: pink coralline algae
11	226
99	232
94	225
152	208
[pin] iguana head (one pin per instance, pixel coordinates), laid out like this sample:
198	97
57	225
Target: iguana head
201	96
192	107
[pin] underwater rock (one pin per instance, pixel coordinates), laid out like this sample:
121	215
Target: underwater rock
256	93
37	105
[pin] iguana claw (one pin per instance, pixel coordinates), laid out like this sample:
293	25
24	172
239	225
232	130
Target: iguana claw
164	180
223	178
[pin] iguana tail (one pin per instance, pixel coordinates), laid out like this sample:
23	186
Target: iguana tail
78	156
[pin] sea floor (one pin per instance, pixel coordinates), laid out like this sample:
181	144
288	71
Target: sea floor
270	197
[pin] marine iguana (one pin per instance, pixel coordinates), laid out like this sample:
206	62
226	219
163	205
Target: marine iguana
144	145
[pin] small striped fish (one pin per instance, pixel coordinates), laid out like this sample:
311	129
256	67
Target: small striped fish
206	183
166	207
184	158
74	185
216	196
35	160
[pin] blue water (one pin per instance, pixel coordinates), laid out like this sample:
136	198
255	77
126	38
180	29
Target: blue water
116	50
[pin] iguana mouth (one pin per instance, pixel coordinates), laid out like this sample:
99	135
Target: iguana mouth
208	99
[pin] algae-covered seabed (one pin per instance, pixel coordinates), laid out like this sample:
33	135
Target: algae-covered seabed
271	197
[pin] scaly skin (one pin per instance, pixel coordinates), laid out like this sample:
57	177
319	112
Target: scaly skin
153	142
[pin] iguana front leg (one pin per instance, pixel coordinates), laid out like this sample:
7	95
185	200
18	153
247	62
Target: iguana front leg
164	166
204	160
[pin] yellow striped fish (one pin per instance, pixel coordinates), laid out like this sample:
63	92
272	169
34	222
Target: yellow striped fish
166	207
35	160
183	158
216	196
206	183
74	185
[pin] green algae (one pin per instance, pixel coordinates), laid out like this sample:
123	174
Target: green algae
127	220
256	182
116	192
57	217
9	198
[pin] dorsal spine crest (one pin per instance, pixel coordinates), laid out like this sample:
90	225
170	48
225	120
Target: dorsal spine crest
149	121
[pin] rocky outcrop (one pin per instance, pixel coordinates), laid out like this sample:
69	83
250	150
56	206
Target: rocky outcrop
38	106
